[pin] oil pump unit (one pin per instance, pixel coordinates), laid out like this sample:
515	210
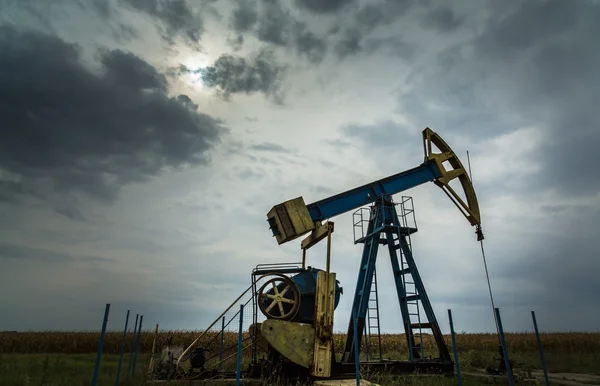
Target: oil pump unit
304	338
298	302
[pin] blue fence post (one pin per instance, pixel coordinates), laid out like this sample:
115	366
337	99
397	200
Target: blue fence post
100	345
539	342
122	349
132	344
356	349
222	342
511	381
137	346
458	377
239	349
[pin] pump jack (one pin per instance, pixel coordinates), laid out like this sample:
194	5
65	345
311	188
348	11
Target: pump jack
293	219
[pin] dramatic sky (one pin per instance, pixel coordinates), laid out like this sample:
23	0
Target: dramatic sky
142	143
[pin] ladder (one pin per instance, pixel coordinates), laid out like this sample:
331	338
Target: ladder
412	295
372	328
412	303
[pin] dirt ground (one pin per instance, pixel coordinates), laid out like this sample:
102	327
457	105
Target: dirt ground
570	379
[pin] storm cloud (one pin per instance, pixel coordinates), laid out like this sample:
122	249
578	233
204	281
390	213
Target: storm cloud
68	128
134	196
323	6
176	17
514	76
231	74
271	23
524	90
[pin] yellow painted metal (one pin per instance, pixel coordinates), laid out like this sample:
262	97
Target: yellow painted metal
318	234
151	364
292	219
324	307
470	209
261	342
295	341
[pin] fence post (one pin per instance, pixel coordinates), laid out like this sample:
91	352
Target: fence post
356	349
459	378
239	348
100	345
137	346
122	349
539	342
132	344
511	381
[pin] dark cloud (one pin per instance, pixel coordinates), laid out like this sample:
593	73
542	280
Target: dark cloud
231	74
381	13
11	251
323	6
354	39
66	128
270	147
271	23
175	15
244	16
443	19
354	43
533	67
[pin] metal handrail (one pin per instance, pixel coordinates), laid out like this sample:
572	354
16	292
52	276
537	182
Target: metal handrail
215	322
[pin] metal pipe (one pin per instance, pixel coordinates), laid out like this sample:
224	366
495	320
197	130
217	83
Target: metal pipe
222	342
454	348
239	351
151	364
356	349
132	344
511	381
100	345
303	258
328	249
137	345
122	349
539	343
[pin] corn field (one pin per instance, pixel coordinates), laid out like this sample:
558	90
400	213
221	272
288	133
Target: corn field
87	342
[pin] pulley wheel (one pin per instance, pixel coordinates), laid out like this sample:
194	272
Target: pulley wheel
279	298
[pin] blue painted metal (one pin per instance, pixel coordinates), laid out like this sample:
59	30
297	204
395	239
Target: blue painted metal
539	343
132	344
454	349
384	219
238	365
137	346
222	342
307	284
511	381
100	345
356	354
122	349
369	193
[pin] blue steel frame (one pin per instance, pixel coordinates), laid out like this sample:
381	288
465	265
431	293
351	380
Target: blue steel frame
384	220
369	193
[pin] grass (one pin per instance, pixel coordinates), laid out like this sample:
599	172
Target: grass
67	358
65	370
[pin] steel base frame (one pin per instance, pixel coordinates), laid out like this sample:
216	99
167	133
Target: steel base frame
384	228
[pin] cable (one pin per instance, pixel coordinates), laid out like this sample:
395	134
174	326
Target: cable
485	263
